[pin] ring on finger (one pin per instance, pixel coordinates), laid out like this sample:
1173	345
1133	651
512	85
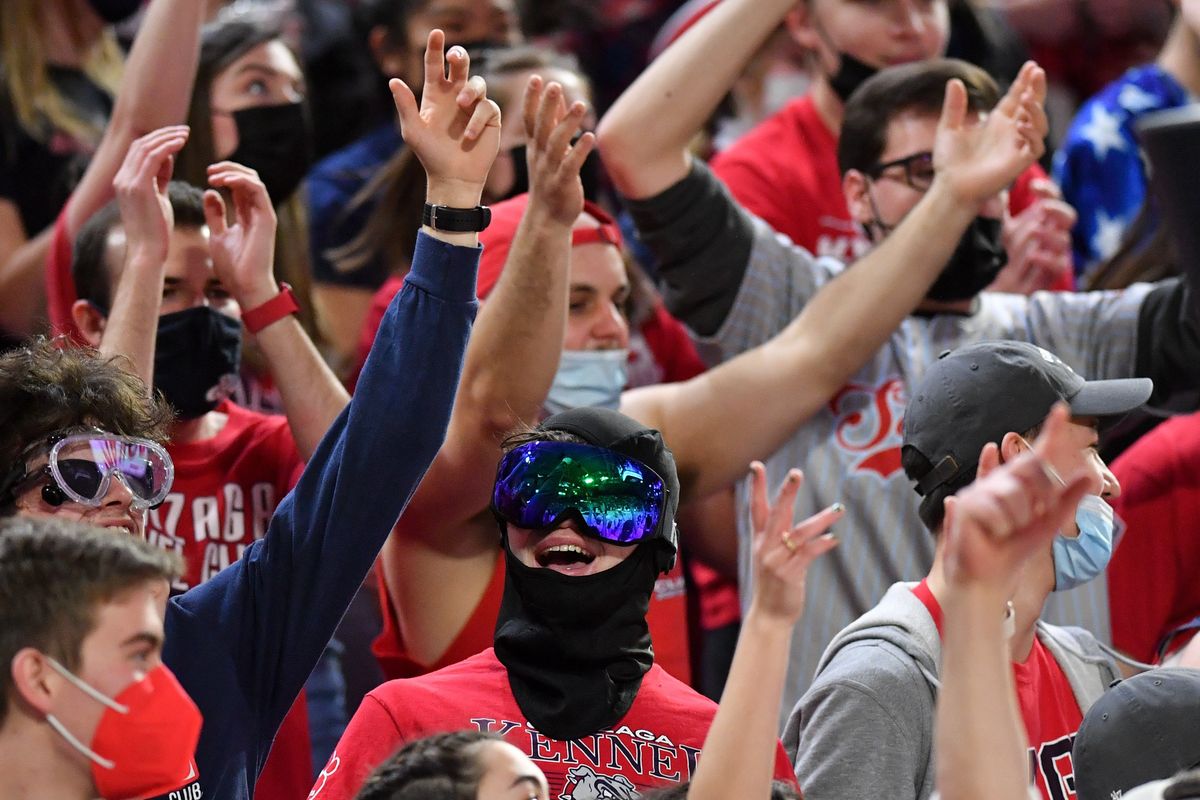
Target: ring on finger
788	542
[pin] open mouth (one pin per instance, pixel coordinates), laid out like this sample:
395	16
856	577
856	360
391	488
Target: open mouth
565	556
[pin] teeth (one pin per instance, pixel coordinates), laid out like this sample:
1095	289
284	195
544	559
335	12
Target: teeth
567	548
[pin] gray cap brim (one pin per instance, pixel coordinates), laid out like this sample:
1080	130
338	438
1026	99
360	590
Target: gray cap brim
1107	398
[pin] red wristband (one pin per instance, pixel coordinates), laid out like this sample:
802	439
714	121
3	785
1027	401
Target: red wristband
275	309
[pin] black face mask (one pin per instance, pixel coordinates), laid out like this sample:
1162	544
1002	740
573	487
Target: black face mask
276	142
589	173
576	648
850	75
975	263
114	11
197	354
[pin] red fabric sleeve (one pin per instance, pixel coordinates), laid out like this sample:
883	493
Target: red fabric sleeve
369	740
60	285
783	768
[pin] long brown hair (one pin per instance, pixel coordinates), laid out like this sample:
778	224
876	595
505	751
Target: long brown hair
38	106
1147	253
222	43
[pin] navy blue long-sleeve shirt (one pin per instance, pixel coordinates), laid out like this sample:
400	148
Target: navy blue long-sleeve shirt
243	644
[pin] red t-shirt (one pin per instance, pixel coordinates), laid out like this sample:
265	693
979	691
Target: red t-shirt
785	171
1048	708
1152	586
666	618
656	743
226	489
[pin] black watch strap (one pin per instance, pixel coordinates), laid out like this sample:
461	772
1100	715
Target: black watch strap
456	220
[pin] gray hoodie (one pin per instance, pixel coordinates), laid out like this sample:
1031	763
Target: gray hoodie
864	728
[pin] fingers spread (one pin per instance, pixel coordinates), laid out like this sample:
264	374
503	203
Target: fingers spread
531	103
435	61
758	496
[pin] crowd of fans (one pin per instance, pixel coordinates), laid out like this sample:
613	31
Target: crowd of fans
599	400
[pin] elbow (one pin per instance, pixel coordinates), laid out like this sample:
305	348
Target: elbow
618	150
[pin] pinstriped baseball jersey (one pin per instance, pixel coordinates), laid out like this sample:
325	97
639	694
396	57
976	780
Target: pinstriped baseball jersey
850	450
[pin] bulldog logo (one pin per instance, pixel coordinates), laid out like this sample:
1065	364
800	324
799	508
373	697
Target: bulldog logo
585	784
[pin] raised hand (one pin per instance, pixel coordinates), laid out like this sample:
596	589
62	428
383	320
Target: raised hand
1011	511
783	551
243	251
1038	242
456	130
141	189
553	162
978	161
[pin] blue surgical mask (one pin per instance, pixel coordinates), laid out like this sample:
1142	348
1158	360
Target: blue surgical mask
1080	559
588	378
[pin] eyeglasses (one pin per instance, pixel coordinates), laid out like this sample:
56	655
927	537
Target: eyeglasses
918	170
80	467
618	499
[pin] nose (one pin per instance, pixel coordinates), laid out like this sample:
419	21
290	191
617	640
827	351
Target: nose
610	328
909	17
1110	486
118	494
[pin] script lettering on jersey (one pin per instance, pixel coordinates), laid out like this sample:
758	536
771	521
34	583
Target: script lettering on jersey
600	765
1055	765
221	527
868	424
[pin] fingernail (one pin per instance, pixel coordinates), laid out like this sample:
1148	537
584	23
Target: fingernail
831	536
457	52
838	508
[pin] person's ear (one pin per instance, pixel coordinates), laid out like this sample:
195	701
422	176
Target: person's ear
799	25
1012	445
90	320
34	680
388	54
855	186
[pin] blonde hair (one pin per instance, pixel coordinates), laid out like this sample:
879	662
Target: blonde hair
24	75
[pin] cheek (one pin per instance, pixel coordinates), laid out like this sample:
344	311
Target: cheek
225	138
578	331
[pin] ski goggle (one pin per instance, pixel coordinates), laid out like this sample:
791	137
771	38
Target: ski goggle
618	499
81	467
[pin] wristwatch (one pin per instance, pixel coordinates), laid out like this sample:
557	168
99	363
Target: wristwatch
456	220
275	309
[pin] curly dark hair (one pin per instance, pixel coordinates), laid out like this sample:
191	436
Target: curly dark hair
50	385
444	766
53	575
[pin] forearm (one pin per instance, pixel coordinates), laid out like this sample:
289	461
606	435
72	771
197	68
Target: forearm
22	285
132	325
766	393
739	751
514	351
979	739
312	395
155	92
644	136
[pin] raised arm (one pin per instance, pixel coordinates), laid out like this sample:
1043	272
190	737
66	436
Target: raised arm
155	91
243	253
271	614
991	529
767	392
739	751
147	221
509	367
644	137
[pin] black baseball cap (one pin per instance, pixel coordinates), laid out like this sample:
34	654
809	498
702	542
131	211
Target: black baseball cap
978	393
1143	729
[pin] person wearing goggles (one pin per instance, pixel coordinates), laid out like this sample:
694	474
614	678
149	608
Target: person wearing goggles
244	643
93	469
586	506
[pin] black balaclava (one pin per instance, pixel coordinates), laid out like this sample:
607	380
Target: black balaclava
576	648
